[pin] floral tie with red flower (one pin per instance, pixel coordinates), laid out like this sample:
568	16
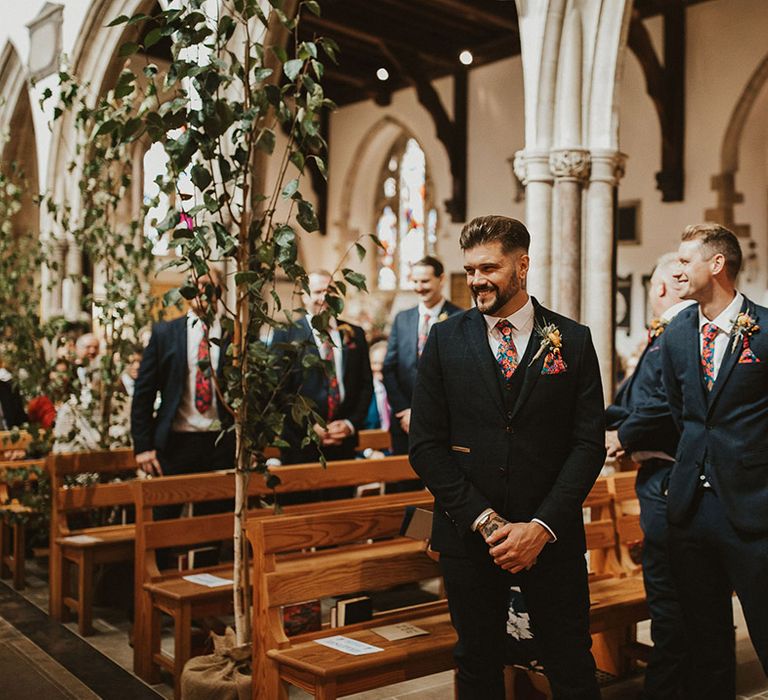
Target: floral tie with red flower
506	355
334	395
203	385
423	334
708	333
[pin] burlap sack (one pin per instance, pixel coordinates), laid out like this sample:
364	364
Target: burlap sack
223	675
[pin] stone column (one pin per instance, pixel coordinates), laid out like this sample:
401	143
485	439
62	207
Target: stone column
599	256
51	280
72	285
570	167
532	169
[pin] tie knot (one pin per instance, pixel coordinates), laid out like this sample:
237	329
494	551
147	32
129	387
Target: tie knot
505	327
710	331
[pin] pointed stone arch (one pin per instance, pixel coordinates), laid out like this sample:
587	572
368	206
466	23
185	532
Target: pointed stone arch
724	183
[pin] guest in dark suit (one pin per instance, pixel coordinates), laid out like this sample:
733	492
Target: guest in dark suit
715	370
507	432
12	413
182	436
410	330
640	423
341	392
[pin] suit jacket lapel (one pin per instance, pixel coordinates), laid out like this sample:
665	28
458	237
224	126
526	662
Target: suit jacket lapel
729	362
180	342
693	361
413	335
533	372
476	333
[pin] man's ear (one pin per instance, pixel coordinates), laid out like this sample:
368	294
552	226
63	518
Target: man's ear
525	263
718	263
662	289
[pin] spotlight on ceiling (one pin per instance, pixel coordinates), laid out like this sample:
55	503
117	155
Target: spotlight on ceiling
466	57
382	74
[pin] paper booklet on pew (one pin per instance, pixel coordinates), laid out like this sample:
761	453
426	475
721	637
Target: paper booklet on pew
348	645
208	580
402	630
417	523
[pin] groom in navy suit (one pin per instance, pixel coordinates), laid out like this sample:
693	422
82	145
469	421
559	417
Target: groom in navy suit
715	370
507	432
409	333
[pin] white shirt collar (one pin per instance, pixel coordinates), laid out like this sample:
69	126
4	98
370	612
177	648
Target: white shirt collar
675	309
521	320
727	316
433	311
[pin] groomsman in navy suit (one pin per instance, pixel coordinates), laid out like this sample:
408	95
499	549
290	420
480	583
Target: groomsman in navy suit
715	370
410	330
639	423
341	393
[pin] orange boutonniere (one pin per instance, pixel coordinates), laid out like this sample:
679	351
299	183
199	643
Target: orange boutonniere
347	335
744	327
551	342
656	328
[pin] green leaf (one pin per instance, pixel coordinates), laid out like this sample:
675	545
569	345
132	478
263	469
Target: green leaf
312	6
266	141
297	158
128	49
121	19
261	74
107	127
279	51
153	36
355	279
292	68
246	277
306	217
321	166
336	303
200	176
188	291
290	189
318	68
360	251
376	240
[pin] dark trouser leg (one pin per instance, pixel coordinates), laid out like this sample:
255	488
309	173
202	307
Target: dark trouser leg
556	594
745	557
194	453
665	667
705	598
478	598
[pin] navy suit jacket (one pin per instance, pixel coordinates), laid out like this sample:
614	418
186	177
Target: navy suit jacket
163	368
640	412
401	363
727	427
536	458
313	383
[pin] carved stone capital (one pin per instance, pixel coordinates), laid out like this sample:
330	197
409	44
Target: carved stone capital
608	166
531	166
570	164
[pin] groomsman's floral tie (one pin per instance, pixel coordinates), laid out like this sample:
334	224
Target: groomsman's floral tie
203	386
423	334
506	355
708	334
334	395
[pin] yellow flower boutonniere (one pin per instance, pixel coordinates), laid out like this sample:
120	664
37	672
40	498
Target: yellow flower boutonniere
744	327
347	335
656	328
550	340
442	316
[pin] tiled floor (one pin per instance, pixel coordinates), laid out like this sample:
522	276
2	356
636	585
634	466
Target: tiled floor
112	640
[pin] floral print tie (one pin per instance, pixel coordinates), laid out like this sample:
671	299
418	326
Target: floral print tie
334	395
203	386
506	355
423	334
708	333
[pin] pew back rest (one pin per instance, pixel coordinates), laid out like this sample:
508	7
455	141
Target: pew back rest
629	534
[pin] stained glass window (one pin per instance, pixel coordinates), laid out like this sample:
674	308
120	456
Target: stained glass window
406	222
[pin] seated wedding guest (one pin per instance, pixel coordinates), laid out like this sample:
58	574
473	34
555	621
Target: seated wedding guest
410	330
87	350
378	411
131	373
12	413
341	392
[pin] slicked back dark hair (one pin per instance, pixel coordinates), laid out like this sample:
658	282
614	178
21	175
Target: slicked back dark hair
511	233
717	239
430	261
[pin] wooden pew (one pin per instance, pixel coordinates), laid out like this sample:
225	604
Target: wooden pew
629	534
374	439
12	529
11	441
86	547
167	592
343	566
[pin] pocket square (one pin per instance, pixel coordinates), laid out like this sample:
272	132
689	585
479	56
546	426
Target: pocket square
554	364
748	357
459	448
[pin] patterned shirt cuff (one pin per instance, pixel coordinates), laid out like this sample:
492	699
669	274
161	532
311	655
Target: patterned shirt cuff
547	528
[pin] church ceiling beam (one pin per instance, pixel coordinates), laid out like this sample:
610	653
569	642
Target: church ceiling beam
665	84
474	12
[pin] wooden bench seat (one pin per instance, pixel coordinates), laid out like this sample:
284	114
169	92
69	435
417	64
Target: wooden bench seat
88	547
166	592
